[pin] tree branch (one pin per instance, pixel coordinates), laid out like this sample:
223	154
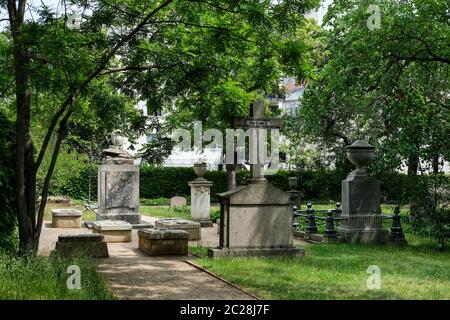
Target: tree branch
100	67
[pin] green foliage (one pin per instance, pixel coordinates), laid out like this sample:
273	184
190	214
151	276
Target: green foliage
33	278
81	184
159	184
8	219
388	85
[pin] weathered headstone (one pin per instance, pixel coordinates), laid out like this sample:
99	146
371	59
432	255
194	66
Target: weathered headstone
255	220
66	218
191	227
200	197
177	201
118	187
361	199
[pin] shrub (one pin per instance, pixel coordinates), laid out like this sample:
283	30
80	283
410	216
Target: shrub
159	184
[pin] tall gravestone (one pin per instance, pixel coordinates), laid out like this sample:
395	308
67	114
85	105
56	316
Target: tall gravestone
118	187
255	220
200	197
361	199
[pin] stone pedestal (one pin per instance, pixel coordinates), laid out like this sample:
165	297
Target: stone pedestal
118	191
191	227
113	230
163	242
361	200
255	220
66	218
200	202
87	244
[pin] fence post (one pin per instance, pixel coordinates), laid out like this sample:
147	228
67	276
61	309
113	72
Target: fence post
330	235
311	221
396	235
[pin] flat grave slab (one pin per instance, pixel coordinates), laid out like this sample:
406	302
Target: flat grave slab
191	227
66	218
113	230
156	242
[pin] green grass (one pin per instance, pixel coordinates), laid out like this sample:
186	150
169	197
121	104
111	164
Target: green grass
45	278
339	271
167	212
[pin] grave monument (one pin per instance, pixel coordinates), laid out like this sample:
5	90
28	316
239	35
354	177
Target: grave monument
118	186
361	199
255	220
200	197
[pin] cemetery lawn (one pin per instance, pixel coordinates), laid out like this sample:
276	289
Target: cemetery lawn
339	271
167	212
45	278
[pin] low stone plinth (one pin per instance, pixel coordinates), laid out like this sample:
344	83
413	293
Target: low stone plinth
191	227
255	252
113	230
157	242
87	244
66	218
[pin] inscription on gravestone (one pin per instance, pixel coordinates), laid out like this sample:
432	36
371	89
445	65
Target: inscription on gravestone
120	190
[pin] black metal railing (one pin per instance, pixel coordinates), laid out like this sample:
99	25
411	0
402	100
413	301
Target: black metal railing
323	228
317	226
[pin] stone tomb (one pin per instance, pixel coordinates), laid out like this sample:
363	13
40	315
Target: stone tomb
66	218
87	244
163	242
177	202
256	220
118	188
191	227
113	230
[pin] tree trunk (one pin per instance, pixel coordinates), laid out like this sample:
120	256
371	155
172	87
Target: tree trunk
25	178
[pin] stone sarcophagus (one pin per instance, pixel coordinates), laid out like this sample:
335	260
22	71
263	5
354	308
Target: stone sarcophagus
255	220
118	190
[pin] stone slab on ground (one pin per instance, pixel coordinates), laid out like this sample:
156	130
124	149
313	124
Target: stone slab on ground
66	218
157	242
91	245
113	230
191	227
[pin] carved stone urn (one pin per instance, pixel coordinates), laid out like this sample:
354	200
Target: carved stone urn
200	170
361	154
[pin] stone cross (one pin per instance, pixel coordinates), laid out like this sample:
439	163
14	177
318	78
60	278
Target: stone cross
257	121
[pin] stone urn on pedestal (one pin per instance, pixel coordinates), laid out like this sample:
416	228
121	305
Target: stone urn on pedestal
361	199
200	196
